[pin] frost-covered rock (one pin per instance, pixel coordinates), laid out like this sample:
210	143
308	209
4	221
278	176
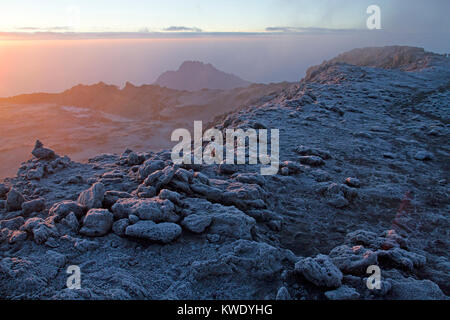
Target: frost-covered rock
144	191
253	260
353	260
40	229
63	208
413	289
92	197
342	293
338	195
112	196
319	270
231	222
367	239
135	159
120	226
160	178
36	205
148	167
71	222
12	224
97	223
244	196
197	223
173	196
155	209
291	167
401	258
161	232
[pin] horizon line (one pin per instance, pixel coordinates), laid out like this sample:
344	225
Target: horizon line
74	35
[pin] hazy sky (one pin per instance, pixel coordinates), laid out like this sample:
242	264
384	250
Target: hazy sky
218	15
52	45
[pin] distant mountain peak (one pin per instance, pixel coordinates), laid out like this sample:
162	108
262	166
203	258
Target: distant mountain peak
196	75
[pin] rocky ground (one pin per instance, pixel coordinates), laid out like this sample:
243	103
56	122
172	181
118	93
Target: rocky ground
363	181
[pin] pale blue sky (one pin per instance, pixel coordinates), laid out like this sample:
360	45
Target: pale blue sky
219	15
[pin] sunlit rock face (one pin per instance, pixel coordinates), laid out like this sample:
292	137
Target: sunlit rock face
362	183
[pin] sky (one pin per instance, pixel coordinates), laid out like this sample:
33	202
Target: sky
217	15
51	45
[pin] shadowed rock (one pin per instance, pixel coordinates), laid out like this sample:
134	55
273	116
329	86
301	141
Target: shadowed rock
43	153
14	200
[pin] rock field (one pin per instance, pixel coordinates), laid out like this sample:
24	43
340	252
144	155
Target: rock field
363	180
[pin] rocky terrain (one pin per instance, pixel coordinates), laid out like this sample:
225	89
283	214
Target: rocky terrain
85	121
363	181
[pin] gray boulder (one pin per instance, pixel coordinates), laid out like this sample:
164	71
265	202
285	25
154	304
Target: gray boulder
36	205
230	222
160	178
148	167
155	209
135	159
160	232
71	222
401	258
320	270
12	224
92	197
197	223
173	196
412	289
40	229
244	196
120	226
63	208
14	200
97	223
3	191
111	197
353	260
